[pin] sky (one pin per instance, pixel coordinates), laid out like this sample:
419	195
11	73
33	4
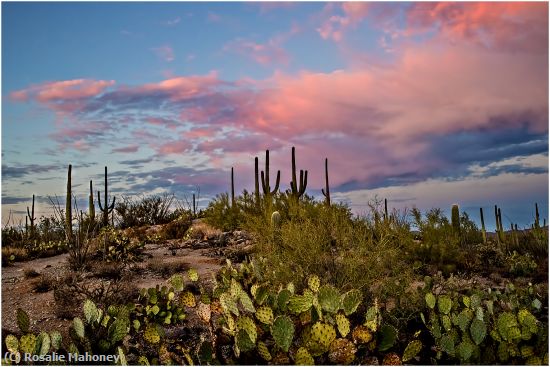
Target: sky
426	104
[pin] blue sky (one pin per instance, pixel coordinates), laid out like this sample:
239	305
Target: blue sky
427	104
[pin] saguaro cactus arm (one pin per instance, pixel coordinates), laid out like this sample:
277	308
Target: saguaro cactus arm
108	208
266	186
298	188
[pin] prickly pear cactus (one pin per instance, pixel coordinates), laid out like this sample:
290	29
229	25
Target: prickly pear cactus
329	299
478	331
342	352
444	304
282	331
391	359
343	325
351	300
193	275
303	358
229	305
263	351
55	338
264	314
247	324
188	299
412	350
90	311
204	312
177	282
320	337
23	321
12	343
151	334
43	344
27	343
298	304
362	335
78	327
313	282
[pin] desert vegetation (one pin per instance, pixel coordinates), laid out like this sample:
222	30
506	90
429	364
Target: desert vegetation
296	281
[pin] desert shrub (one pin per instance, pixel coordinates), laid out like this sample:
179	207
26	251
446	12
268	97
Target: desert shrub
30	273
151	210
11	254
166	268
12	236
44	283
177	228
114	246
521	265
220	214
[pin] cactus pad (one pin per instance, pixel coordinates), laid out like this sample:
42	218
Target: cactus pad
55	338
362	335
264	314
246	302
303	358
177	282
298	304
351	300
216	307
188	299
412	350
430	300
43	344
320	337
478	331
444	304
23	321
243	341
229	304
90	311
193	275
27	343
204	312
313	282
12	343
342	352
343	325
507	326
247	324
283	332
389	336
118	330
78	327
391	359
263	351
329	298
151	335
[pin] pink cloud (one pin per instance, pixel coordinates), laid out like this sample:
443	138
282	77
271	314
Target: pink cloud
127	149
336	19
163	122
174	147
64	95
165	53
519	26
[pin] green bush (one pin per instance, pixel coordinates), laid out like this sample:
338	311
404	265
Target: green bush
151	210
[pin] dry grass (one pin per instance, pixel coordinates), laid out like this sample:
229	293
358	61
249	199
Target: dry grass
44	283
11	254
201	230
166	269
30	273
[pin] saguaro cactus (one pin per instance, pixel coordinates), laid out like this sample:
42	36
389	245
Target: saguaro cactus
386	216
232	190
31	217
91	210
483	232
68	208
256	183
297	190
108	208
537	218
266	186
455	218
326	190
497	225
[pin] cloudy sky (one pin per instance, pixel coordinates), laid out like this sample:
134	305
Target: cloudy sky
427	104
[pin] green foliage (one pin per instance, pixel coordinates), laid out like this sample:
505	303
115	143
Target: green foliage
521	265
118	247
177	228
152	210
160	305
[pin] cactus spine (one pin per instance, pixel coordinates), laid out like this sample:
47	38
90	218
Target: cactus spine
68	208
91	211
483	232
455	218
256	183
265	178
108	208
326	190
297	190
31	217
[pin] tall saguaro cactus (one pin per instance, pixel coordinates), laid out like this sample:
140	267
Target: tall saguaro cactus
256	183
108	208
68	208
297	189
326	190
232	190
31	217
483	232
537	217
455	218
91	211
266	186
